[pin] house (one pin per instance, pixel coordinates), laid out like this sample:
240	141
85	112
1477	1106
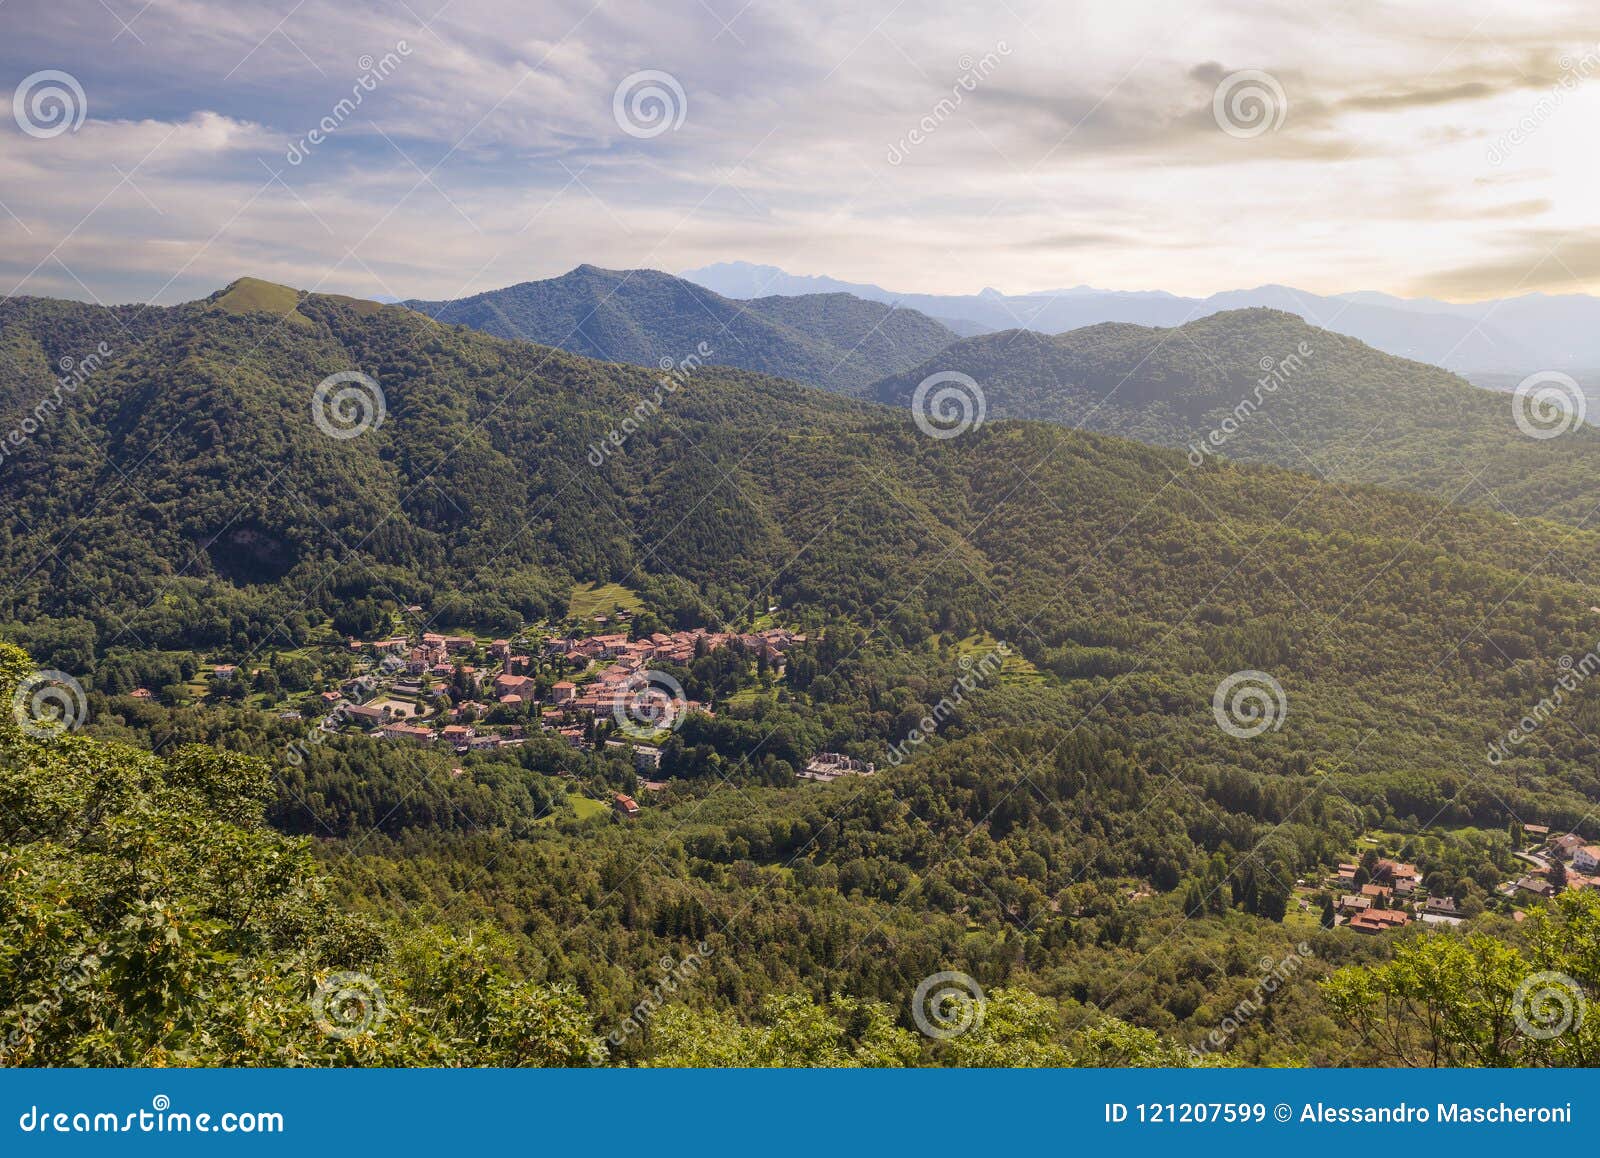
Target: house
1375	891
1536	829
457	735
1441	907
141	693
370	717
513	685
1565	846
625	805
829	766
1378	920
1536	886
1586	858
563	692
1351	903
224	672
645	757
1396	872
408	732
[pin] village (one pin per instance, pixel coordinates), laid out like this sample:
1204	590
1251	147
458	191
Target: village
1377	894
599	682
470	695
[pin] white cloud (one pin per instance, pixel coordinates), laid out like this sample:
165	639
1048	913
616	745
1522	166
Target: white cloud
1087	154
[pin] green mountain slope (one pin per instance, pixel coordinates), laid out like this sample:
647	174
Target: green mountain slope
653	319
1263	386
1090	834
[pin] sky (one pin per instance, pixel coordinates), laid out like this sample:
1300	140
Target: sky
157	150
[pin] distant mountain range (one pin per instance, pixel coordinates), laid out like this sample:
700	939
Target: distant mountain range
835	340
1263	386
1507	336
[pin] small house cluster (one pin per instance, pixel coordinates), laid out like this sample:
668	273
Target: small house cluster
1388	901
829	766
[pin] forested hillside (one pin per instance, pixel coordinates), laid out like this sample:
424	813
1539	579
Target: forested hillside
653	319
1263	386
1076	833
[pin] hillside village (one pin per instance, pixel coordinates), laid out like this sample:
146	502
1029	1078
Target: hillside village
1377	894
468	695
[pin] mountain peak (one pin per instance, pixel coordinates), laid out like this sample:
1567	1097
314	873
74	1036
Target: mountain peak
253	295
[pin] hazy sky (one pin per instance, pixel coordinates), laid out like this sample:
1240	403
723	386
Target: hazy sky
1445	149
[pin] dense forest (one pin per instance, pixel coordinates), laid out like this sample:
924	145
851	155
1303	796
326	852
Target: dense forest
1073	832
1264	386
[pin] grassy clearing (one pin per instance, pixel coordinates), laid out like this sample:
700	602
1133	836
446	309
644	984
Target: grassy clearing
1014	670
590	599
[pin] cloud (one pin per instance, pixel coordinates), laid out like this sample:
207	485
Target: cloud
1532	261
1087	142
